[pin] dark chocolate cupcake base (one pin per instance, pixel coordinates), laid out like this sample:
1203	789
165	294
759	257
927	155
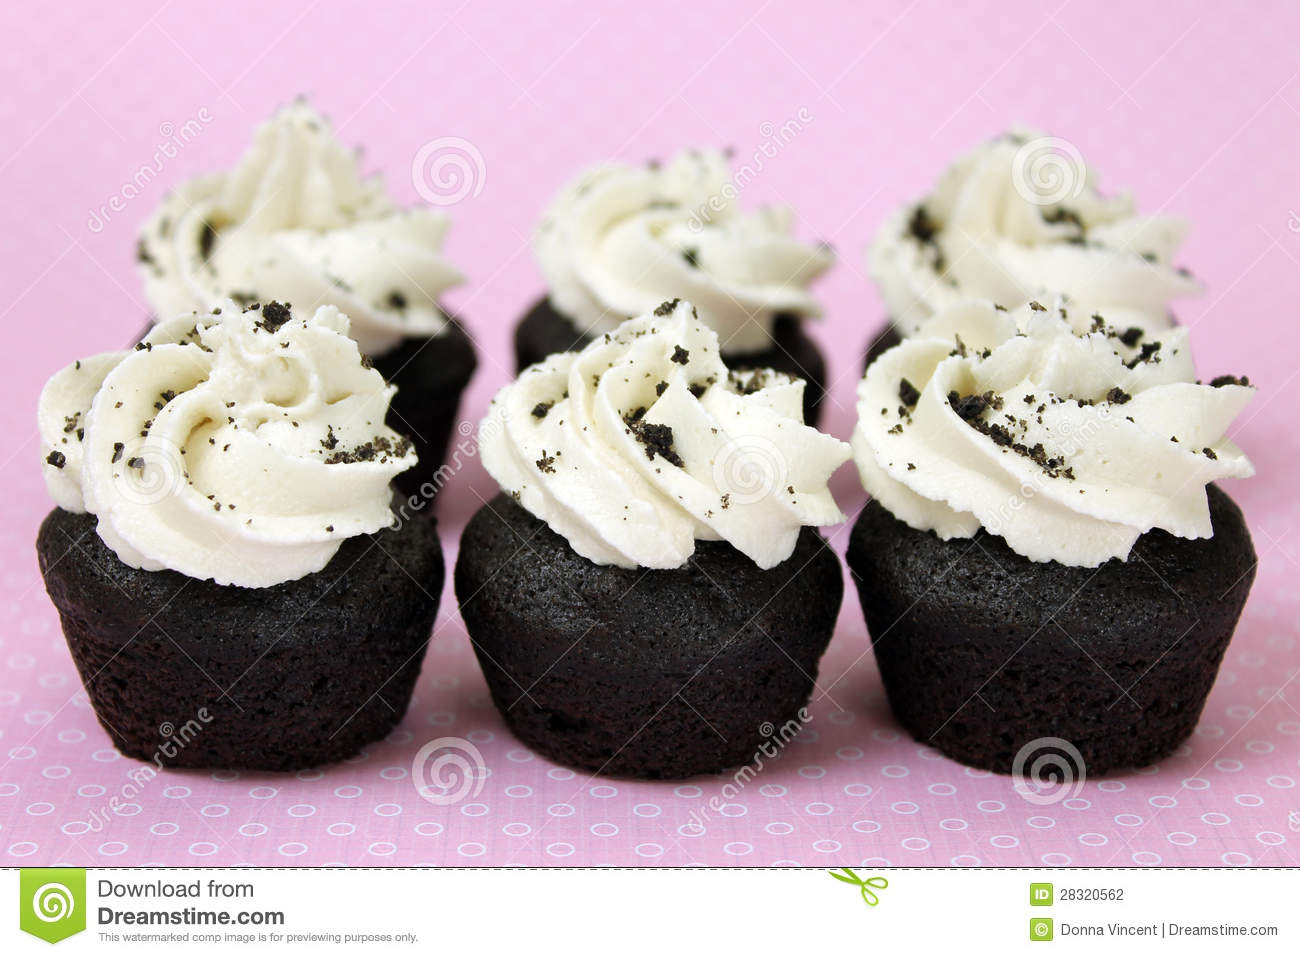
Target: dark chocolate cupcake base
636	673
430	375
544	331
984	653
269	679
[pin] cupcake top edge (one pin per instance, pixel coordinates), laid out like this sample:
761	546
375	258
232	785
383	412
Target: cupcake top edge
1020	215
644	442
242	446
294	220
619	239
1068	445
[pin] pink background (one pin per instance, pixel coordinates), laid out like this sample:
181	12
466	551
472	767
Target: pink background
1194	108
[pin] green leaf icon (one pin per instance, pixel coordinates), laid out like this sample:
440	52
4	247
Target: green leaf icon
52	902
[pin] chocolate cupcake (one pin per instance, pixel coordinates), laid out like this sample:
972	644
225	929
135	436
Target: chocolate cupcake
223	556
620	239
1045	565
1019	218
647	597
296	222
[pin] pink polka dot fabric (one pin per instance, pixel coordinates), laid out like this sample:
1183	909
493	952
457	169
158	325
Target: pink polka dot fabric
1195	112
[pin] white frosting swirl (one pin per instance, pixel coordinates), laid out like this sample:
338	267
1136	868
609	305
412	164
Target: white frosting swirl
643	442
240	447
295	222
1019	218
1068	446
619	240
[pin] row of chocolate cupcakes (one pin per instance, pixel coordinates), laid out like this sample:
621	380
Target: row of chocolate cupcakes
648	594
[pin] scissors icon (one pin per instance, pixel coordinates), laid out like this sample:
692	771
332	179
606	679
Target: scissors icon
863	884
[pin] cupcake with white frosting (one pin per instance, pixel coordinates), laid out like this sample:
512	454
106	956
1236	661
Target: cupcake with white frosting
648	594
620	239
295	221
1019	218
1045	558
223	555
